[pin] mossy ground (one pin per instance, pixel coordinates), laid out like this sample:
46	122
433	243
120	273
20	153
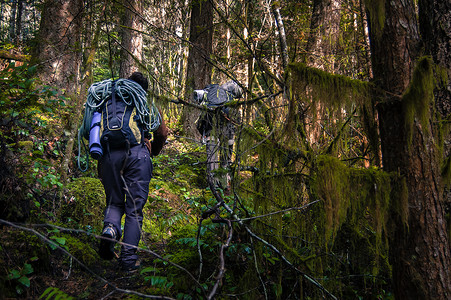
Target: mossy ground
169	222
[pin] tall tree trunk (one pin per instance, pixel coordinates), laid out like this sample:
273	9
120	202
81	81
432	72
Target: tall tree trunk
58	47
419	250
12	21
85	81
435	28
59	53
132	40
198	69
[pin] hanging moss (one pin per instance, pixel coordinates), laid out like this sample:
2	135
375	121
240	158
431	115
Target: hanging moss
419	95
289	173
338	95
330	185
335	90
347	194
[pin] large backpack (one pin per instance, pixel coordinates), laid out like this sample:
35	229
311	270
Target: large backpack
214	95
125	117
120	124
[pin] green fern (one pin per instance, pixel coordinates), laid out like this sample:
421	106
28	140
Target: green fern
55	293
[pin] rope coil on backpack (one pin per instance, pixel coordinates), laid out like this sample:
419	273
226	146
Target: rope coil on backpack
128	91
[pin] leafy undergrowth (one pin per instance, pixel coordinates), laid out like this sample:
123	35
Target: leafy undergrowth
57	257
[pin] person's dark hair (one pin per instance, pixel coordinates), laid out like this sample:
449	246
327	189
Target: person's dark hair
139	78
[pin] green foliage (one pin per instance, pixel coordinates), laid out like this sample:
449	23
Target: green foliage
23	257
24	101
158	282
27	111
174	194
21	277
55	293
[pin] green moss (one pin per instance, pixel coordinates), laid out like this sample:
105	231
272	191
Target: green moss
84	202
26	145
335	90
400	200
376	15
419	95
330	184
349	193
81	249
288	172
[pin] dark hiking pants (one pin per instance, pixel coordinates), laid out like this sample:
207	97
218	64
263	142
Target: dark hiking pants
126	193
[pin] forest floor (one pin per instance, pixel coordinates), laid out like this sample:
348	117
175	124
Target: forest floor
99	280
32	268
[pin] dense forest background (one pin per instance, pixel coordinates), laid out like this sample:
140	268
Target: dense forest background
340	173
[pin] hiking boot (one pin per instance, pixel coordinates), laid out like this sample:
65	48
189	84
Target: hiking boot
106	249
130	267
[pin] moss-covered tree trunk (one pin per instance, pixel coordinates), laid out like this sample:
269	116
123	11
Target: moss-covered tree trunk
198	68
435	28
419	250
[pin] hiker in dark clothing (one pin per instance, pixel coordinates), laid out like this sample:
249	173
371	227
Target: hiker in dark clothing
125	172
218	129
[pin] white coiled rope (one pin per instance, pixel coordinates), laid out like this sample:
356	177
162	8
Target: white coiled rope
128	91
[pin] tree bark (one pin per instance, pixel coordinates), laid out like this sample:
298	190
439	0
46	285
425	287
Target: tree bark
12	21
58	48
435	28
198	69
419	250
132	40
